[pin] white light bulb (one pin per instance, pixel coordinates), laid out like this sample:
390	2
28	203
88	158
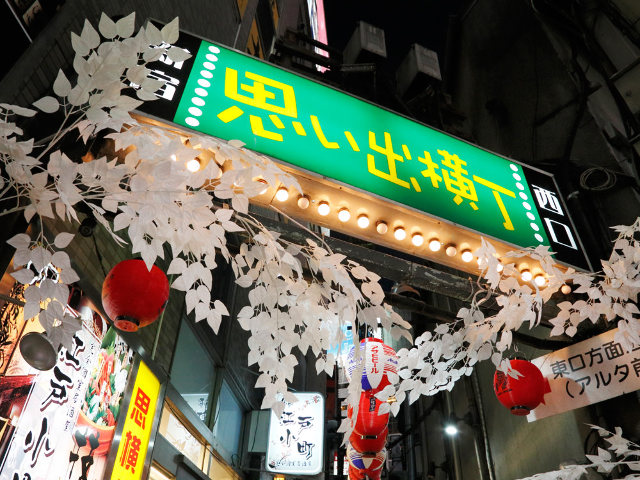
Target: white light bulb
323	209
417	239
451	430
499	267
193	165
566	289
282	195
526	276
540	280
363	221
451	250
434	245
467	256
344	215
400	233
382	228
303	202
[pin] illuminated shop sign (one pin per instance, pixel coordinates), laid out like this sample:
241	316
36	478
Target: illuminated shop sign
313	127
296	438
60	423
587	372
136	433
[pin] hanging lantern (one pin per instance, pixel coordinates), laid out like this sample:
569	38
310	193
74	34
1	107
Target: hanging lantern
378	359
355	474
368	463
38	351
368	422
368	443
523	394
132	296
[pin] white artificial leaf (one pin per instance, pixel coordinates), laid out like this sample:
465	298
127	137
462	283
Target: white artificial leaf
78	45
47	104
177	54
61	86
107	27
89	35
220	307
63	239
237	143
171	31
126	25
154	36
20	241
24	276
178	265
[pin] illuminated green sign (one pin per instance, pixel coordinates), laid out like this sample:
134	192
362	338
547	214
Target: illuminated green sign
309	125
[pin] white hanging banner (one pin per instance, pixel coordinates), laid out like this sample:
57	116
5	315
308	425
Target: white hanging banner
296	438
588	372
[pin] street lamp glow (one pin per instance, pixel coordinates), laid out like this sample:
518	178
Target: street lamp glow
451	430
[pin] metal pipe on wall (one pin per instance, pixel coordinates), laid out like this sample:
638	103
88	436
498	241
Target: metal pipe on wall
409	445
453	446
480	435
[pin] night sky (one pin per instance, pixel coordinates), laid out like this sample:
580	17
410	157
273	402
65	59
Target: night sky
404	22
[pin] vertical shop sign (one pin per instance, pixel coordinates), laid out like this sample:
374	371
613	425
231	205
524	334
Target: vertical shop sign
585	373
129	462
296	438
60	423
51	409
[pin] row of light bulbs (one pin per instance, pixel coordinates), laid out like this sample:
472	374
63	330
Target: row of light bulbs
400	234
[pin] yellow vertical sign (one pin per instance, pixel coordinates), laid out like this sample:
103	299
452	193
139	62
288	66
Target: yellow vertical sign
132	450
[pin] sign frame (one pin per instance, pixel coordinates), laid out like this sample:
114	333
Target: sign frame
320	454
163	112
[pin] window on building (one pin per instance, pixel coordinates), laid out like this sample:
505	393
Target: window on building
192	372
228	424
179	433
159	473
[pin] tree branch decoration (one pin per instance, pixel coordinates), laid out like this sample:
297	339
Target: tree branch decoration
621	458
300	296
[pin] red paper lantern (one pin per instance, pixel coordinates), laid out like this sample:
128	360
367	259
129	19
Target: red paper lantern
133	296
368	443
368	422
368	463
523	394
379	360
355	474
